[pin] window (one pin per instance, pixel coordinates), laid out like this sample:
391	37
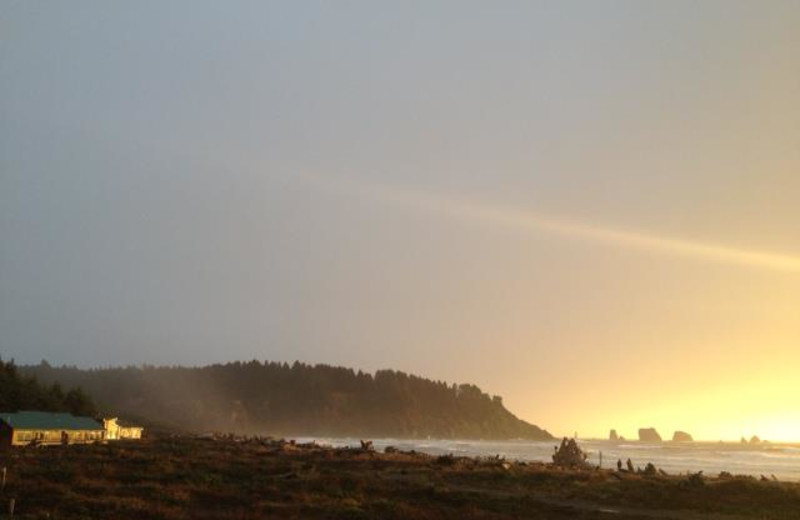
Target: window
25	436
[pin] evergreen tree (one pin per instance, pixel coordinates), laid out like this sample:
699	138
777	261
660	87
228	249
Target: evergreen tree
19	392
284	399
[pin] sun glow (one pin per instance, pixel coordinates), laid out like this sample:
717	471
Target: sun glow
722	384
778	428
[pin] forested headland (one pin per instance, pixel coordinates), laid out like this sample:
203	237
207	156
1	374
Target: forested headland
298	399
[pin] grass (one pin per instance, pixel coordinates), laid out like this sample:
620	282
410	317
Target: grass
183	478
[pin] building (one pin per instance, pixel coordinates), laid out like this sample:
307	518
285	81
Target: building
43	428
115	431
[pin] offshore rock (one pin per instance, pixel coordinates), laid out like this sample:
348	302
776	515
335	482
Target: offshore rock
613	436
680	436
649	435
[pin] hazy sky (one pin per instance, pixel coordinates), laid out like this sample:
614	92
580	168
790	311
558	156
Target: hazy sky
590	208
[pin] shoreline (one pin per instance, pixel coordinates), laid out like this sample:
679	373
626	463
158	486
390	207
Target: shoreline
230	477
677	458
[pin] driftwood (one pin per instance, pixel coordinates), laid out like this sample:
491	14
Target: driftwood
693	480
570	455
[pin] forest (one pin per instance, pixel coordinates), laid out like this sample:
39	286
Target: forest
24	392
293	399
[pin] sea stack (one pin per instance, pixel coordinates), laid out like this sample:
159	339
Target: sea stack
613	436
755	440
649	435
680	436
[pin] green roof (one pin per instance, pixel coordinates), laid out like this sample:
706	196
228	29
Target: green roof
48	421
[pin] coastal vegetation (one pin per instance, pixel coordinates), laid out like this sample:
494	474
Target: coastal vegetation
297	399
226	477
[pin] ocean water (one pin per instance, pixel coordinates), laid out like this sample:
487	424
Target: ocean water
781	460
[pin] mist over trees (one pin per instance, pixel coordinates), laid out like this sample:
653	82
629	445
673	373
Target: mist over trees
20	392
297	399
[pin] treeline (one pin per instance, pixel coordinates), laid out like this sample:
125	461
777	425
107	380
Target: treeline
20	392
298	399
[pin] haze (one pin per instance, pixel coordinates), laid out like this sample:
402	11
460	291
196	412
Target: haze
589	208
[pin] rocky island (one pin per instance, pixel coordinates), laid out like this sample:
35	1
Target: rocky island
680	436
649	435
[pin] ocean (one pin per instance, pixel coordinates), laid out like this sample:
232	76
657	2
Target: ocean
780	460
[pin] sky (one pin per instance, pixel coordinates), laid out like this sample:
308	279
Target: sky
587	207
